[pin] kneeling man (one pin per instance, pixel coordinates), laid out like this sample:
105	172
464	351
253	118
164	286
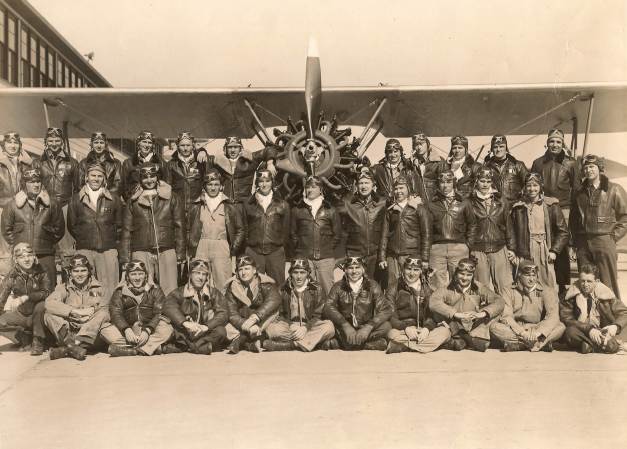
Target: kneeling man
137	327
359	309
530	320
300	324
198	313
467	308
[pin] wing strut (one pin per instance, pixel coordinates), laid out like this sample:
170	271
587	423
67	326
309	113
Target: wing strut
258	120
588	123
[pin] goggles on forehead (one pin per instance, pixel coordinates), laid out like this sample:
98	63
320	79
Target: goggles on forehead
12	136
54	132
469	267
300	264
184	135
136	265
199	265
246	260
413	262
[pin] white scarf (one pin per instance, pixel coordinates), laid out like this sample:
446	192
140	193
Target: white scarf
212	202
416	285
94	195
402	204
303	288
187	160
264	200
315	204
356	286
483	197
143	159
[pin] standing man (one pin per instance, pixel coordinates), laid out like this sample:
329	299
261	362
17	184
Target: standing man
449	230
487	217
238	166
596	321
13	161
300	324
462	164
412	327
22	295
76	310
253	301
358	309
145	152
561	181
425	170
267	227
538	230
217	230
406	231
137	326
153	228
94	219
598	221
198	313
100	153
316	231
530	320
509	172
467	308
60	178
391	167
33	217
362	221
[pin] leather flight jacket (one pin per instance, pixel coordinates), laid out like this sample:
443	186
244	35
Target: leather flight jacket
362	223
59	175
488	230
560	176
113	169
509	176
269	230
447	220
125	310
367	307
406	232
315	238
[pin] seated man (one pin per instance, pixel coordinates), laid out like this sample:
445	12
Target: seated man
22	293
76	310
412	327
300	324
595	319
198	313
136	327
530	320
467	308
358	309
253	301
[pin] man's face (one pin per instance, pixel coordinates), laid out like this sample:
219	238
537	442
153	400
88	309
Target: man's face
26	260
149	182
587	282
233	151
393	155
198	278
412	274
54	143
246	273
33	188
213	188
264	186
365	186
354	272
458	151
421	147
185	148
499	150
447	186
463	278
79	275
12	147
313	191
145	147
95	179
137	278
591	172
98	145
532	190
484	185
555	145
299	277
528	280
401	193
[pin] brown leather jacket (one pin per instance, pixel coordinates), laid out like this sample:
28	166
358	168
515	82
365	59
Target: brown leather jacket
560	176
265	303
488	229
466	183
408	308
447	220
180	306
362	223
575	307
270	230
10	177
601	211
385	182
33	283
113	169
315	238
59	175
371	307
509	176
406	232
186	179
313	303
125	310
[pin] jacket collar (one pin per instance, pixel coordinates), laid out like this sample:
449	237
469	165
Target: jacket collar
440	196
61	155
223	162
325	204
365	286
23	158
83	193
124	286
493	160
21	198
190	292
601	291
92	283
19	271
468	160
605	183
222	196
452	285
288	287
413	201
164	191
106	155
374	198
548	156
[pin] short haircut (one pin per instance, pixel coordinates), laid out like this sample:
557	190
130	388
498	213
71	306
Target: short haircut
588	268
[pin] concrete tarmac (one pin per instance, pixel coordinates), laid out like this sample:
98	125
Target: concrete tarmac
318	400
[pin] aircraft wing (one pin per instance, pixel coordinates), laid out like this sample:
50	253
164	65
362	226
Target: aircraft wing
216	113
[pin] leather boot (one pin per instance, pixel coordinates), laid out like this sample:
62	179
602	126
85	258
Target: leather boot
330	344
454	344
254	346
380	344
58	353
38	347
121	351
169	348
270	345
511	347
395	347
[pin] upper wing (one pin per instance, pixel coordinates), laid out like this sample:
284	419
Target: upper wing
216	113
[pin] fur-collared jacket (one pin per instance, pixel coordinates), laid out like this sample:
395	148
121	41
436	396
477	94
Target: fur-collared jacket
313	301
509	176
33	283
113	169
406	231
362	224
575	308
10	175
186	179
127	308
265	302
41	225
410	308
208	307
59	175
315	237
269	230
560	175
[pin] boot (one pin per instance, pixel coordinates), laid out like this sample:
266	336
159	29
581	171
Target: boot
205	349
234	346
59	352
121	351
169	348
395	348
511	347
454	344
270	345
330	344
254	346
586	348
380	344
38	347
76	351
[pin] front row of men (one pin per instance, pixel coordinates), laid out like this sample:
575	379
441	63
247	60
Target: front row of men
255	312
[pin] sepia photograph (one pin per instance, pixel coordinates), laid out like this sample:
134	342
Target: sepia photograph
291	224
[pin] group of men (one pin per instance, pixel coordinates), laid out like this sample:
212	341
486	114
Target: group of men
443	253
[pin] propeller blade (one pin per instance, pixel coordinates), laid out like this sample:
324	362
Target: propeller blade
313	89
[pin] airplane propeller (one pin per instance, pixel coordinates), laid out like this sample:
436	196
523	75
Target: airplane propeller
313	88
